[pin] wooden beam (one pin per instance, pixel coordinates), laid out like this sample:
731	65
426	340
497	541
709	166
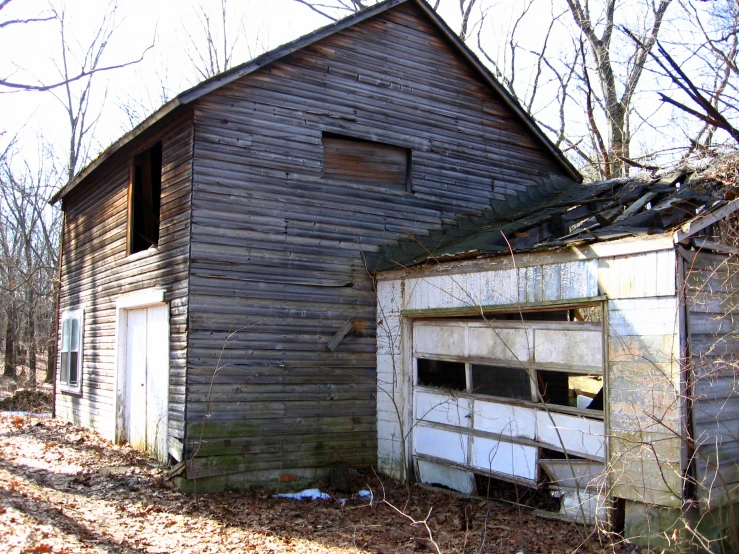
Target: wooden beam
619	247
704	244
340	334
636	206
699	223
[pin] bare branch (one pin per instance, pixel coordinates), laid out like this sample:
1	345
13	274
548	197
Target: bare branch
21	21
74	78
317	8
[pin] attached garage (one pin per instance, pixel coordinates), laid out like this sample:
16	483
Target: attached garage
592	373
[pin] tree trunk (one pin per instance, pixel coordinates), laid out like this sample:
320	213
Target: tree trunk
31	340
50	359
9	369
619	140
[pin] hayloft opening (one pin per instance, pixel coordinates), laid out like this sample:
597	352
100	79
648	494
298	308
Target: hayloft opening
145	199
366	161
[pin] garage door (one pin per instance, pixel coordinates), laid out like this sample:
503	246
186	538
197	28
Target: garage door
506	399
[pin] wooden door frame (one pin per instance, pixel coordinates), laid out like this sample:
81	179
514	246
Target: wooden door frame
137	300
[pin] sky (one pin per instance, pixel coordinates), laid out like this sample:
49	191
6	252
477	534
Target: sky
30	53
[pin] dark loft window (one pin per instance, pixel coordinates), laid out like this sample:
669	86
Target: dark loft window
445	375
145	199
365	161
506	382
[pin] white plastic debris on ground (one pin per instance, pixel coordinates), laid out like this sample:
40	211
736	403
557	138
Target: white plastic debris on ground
308	494
316	494
24	414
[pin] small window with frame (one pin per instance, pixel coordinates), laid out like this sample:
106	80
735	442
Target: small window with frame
70	374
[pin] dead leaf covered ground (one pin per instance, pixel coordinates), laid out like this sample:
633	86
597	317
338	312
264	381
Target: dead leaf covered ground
63	489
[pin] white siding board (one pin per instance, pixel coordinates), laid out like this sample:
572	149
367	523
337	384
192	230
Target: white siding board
648	316
440	340
451	477
443	408
638	276
552	277
581	348
500	344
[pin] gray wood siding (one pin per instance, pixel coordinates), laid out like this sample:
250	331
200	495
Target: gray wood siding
713	323
95	271
276	266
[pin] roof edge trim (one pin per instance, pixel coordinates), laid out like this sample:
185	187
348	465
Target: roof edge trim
510	101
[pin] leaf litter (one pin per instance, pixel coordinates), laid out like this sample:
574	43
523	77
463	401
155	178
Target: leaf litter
64	490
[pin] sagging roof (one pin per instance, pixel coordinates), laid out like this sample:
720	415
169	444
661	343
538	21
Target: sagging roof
209	85
681	201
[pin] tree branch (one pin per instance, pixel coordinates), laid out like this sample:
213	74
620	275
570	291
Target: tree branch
316	9
81	75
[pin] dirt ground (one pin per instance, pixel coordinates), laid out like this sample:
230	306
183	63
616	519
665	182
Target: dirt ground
64	489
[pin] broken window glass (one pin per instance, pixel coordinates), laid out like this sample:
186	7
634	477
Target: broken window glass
573	390
506	382
442	374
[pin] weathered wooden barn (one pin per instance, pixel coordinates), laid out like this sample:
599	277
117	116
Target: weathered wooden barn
583	348
215	303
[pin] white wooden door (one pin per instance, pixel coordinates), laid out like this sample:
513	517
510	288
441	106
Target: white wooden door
147	379
136	379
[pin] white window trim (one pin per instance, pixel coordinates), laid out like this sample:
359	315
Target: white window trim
65	386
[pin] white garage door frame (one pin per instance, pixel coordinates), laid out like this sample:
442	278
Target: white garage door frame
138	300
449	422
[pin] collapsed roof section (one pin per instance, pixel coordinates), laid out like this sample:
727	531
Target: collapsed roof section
568	214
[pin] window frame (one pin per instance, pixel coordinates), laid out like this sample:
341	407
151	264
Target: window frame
532	371
132	196
65	382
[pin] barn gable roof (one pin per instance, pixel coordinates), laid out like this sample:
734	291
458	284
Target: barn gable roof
191	95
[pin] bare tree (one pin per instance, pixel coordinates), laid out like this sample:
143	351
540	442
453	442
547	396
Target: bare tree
28	244
76	94
707	111
616	103
211	49
717	51
29	228
140	105
336	9
84	71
